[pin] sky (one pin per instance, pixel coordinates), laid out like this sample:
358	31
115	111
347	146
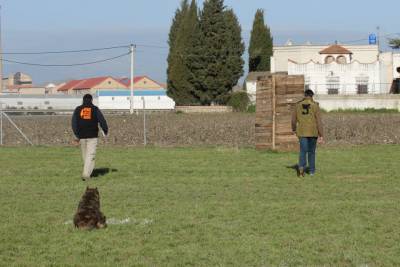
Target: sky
53	25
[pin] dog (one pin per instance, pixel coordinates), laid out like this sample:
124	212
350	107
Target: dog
88	216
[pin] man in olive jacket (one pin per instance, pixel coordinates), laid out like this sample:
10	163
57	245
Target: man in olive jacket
85	122
307	124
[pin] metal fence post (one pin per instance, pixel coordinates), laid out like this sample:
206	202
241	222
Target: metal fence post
1	123
144	121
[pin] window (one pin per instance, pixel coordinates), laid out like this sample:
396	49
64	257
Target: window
341	60
19	103
333	84
47	102
362	84
112	98
329	59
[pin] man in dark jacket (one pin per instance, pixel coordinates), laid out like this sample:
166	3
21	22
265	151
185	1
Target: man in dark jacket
85	122
307	124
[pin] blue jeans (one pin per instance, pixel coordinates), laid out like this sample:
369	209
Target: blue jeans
308	146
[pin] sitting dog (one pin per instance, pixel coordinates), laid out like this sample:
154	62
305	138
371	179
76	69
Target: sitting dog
88	215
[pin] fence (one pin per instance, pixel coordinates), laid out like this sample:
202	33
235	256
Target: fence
350	88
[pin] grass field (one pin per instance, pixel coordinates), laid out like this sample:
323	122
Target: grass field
202	207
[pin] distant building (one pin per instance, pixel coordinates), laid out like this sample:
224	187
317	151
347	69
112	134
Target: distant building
337	69
251	83
91	86
19	78
143	82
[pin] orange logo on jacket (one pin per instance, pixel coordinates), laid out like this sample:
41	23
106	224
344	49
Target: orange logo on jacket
86	113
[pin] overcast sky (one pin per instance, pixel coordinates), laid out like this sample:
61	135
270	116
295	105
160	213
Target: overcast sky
43	25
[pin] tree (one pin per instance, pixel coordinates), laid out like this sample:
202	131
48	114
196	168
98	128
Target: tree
394	43
173	49
180	87
261	44
216	58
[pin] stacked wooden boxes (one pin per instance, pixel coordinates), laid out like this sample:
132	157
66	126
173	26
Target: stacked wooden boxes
277	95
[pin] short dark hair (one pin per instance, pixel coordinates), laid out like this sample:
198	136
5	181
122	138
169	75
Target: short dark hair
88	98
398	69
309	92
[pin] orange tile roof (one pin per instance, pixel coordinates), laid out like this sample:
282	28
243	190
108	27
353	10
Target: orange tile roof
89	83
69	85
127	81
85	83
335	49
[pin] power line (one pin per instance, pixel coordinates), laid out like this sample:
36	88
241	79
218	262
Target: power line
66	51
153	46
365	39
65	65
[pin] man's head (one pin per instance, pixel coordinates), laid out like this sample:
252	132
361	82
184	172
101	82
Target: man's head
308	93
87	99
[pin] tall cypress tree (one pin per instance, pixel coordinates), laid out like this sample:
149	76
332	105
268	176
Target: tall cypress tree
180	86
235	49
261	44
216	58
172	71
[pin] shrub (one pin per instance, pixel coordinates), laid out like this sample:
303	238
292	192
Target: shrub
251	109
239	101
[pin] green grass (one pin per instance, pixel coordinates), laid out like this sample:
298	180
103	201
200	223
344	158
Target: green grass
203	207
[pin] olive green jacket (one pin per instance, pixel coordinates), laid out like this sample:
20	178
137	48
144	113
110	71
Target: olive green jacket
306	119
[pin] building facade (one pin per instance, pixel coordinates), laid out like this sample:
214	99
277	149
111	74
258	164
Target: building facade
337	69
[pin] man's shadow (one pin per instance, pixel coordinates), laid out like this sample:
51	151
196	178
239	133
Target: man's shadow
102	172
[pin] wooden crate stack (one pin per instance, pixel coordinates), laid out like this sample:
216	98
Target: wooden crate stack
276	98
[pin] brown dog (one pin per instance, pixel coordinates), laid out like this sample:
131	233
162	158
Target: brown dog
88	215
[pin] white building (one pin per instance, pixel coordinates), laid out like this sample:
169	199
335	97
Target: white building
336	69
142	99
251	83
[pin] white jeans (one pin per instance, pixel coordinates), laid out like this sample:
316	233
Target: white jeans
88	147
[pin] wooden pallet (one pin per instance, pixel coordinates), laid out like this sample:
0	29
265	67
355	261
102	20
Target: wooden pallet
277	95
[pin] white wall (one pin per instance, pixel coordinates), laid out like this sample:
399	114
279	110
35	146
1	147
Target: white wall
123	102
39	102
316	75
251	88
335	102
305	53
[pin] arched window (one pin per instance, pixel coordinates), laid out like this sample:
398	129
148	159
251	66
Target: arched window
341	60
329	59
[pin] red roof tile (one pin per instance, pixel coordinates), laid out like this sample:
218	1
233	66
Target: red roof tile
335	49
127	81
69	85
89	83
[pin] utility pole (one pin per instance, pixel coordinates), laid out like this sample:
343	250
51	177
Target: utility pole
378	30
1	123
132	50
1	58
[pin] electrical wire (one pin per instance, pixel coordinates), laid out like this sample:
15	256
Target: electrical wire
66	51
65	65
365	39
